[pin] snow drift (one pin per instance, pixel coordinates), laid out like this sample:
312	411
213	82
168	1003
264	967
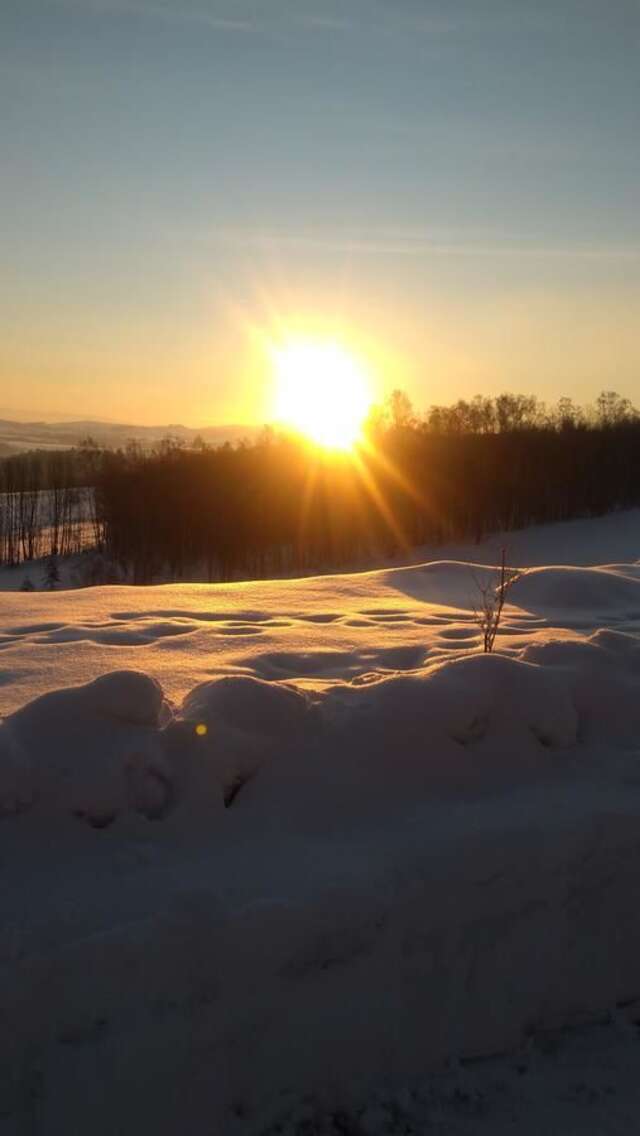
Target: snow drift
310	844
465	725
96	751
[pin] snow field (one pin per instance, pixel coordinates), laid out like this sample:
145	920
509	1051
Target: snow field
300	839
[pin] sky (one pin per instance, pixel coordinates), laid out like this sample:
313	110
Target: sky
450	188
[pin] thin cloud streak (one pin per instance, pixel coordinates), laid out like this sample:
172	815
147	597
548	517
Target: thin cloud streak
377	20
322	22
415	244
168	13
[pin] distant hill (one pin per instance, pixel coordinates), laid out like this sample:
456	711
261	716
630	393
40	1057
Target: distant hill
19	436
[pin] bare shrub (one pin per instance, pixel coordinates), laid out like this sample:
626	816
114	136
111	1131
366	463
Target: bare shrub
492	597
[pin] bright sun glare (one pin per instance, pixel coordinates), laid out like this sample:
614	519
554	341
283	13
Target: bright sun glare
322	392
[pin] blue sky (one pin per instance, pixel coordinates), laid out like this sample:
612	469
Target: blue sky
452	188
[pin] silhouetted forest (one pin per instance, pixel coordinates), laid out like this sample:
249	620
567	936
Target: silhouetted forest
277	505
47	503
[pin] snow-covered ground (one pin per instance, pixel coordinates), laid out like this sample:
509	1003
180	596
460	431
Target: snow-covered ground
427	855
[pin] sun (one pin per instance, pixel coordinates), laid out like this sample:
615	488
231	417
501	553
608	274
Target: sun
321	391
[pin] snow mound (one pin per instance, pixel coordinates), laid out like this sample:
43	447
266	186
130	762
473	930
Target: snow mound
90	750
241	722
248	705
466	724
602	675
484	695
613	590
451	583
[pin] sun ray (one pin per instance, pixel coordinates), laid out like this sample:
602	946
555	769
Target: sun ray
384	509
404	483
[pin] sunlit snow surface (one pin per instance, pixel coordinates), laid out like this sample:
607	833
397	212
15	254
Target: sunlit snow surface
301	838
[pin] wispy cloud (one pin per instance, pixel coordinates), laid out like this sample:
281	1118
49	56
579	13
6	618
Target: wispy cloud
170	12
416	243
219	15
324	22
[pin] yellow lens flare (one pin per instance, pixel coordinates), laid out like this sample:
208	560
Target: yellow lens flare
321	392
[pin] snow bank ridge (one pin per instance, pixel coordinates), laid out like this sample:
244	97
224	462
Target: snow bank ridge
115	745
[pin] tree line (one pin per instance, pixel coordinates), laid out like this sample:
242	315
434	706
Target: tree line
277	505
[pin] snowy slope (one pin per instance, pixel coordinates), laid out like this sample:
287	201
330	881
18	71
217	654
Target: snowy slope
427	852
